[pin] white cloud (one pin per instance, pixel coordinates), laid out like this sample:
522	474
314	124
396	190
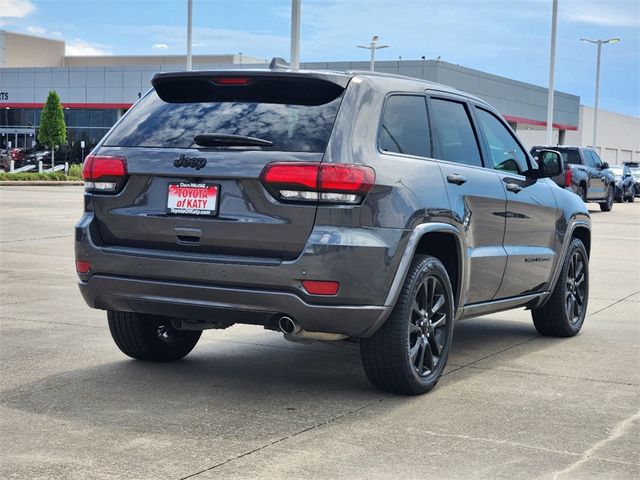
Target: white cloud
160	46
35	30
78	47
611	14
16	8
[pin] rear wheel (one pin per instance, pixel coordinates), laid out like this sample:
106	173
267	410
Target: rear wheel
149	337
409	352
632	195
564	313
607	205
582	193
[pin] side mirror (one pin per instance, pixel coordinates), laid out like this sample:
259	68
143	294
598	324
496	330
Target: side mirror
605	165
550	164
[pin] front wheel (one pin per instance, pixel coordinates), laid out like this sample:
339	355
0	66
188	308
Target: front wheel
607	205
149	337
409	352
564	312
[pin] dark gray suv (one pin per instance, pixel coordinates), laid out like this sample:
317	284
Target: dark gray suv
326	206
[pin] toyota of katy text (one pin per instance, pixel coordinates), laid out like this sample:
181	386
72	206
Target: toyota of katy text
327	206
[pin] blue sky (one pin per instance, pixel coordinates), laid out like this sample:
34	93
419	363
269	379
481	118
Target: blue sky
504	37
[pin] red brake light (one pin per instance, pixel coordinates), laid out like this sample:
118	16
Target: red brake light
231	81
568	176
317	287
292	175
332	182
104	173
346	178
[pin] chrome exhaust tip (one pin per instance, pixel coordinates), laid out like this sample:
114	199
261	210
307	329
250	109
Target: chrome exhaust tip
288	325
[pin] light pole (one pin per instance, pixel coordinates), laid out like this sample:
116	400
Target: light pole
189	28
295	34
595	111
373	47
552	65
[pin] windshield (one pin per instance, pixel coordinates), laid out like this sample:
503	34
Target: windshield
293	128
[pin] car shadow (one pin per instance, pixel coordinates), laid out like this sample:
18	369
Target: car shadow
267	380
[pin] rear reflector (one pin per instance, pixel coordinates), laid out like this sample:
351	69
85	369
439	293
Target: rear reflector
83	266
103	173
317	287
329	183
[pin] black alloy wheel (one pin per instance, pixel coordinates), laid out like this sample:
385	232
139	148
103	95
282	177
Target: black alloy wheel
576	288
607	205
563	314
409	352
428	329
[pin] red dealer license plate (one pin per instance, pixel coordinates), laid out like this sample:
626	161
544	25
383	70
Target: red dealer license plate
192	199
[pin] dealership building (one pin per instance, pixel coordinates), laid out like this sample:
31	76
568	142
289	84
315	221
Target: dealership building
96	90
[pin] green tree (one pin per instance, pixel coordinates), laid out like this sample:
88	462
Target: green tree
52	130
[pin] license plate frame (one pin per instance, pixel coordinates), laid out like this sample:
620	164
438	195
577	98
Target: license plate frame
186	198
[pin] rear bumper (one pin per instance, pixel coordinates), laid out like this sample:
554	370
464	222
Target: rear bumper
237	305
250	290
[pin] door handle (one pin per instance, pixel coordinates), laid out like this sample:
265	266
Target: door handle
457	179
513	187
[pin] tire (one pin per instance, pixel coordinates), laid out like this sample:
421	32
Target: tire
401	357
582	193
150	338
632	197
607	205
564	312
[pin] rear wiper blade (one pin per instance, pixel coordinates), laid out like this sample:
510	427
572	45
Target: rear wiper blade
227	140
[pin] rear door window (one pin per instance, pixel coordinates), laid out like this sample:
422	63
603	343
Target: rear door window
291	126
405	126
456	140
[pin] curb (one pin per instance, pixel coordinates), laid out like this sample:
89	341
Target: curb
39	183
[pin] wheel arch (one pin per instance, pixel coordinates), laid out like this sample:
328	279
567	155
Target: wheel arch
444	242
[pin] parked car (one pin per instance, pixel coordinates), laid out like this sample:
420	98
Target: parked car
35	157
326	206
17	155
625	183
635	171
585	174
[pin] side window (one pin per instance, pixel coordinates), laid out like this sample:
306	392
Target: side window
506	154
456	140
595	159
405	126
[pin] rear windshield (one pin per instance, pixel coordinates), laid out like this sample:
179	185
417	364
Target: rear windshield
570	155
291	127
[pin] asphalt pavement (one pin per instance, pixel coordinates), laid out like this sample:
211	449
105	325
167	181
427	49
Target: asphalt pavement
248	404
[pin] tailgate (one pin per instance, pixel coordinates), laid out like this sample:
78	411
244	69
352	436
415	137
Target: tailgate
157	139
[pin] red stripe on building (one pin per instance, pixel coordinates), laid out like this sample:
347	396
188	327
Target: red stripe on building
537	123
89	106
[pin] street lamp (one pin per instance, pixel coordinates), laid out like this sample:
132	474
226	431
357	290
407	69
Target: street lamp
595	111
189	30
373	47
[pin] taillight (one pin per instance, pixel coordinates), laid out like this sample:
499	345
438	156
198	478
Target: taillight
312	182
568	176
104	174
